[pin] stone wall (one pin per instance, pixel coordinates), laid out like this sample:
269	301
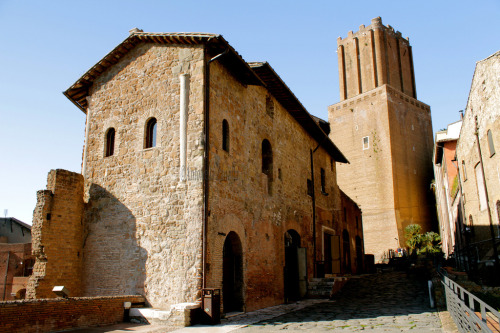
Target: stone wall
57	236
143	226
54	315
239	196
390	176
483	103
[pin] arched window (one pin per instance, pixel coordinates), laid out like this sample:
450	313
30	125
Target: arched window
267	163
110	142
225	135
491	145
150	133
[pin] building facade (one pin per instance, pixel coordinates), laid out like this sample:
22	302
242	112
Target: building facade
386	133
479	162
447	187
199	171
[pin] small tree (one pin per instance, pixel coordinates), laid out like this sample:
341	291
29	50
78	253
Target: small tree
419	243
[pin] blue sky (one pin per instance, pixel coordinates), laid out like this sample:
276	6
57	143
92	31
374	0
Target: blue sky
45	46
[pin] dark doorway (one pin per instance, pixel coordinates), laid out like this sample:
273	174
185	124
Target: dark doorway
291	274
232	274
346	258
359	255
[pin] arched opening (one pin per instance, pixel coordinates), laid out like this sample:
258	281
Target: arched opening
291	271
110	142
150	141
232	274
359	255
267	163
346	250
225	135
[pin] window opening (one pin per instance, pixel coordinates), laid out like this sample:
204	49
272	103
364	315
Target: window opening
366	143
267	163
225	135
323	181
490	143
110	142
151	133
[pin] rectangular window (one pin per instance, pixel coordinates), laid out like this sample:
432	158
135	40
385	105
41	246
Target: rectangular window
323	181
481	190
309	187
490	143
366	143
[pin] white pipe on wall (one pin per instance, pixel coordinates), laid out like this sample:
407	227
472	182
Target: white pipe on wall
184	105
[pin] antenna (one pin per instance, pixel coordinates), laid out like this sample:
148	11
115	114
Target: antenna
5	211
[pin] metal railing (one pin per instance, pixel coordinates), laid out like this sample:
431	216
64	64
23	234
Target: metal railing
469	312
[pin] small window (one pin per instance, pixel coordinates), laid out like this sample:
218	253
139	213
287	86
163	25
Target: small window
267	163
225	135
110	142
309	187
150	133
490	143
323	181
366	143
270	106
463	170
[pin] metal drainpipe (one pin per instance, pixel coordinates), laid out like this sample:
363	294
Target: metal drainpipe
313	196
492	231
206	175
6	273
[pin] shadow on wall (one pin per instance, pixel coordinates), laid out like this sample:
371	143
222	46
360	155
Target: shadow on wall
114	263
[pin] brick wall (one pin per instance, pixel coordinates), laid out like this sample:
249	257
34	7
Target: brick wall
18	254
49	315
57	235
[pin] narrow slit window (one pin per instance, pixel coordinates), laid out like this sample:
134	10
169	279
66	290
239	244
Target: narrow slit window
366	143
464	171
150	133
110	142
323	181
225	135
267	163
490	143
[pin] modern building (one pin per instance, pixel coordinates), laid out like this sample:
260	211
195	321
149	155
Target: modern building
386	134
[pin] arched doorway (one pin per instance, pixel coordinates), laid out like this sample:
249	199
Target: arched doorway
291	271
346	250
359	255
232	274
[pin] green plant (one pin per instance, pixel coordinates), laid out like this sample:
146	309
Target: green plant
418	243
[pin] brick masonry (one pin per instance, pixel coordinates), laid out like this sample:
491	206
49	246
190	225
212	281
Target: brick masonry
51	315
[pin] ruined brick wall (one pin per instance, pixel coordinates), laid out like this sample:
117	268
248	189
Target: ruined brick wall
54	315
239	199
57	235
483	103
16	264
389	177
373	56
352	222
142	225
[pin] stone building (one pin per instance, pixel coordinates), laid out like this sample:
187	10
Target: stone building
480	164
199	171
446	185
385	133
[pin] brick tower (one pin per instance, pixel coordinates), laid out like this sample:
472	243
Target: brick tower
385	133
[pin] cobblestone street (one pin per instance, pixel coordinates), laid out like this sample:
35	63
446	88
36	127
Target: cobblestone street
385	302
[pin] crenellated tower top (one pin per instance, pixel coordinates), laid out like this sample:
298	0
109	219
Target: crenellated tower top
373	56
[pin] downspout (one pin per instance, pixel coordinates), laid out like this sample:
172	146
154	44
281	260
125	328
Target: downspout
6	273
313	196
492	231
206	173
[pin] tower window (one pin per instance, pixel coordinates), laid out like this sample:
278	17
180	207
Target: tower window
309	187
225	135
490	143
270	106
150	133
110	142
366	143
